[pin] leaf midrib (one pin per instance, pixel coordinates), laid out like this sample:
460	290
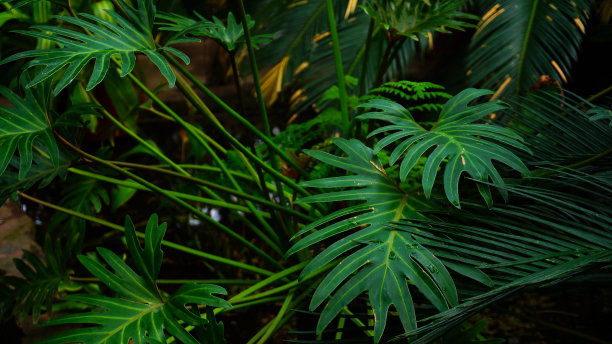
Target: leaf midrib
526	38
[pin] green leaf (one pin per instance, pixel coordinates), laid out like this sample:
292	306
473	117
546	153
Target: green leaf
214	331
77	49
141	313
42	172
35	292
467	146
518	41
229	35
378	259
24	126
412	18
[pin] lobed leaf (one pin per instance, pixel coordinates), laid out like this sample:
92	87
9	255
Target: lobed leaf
376	258
75	49
141	314
466	146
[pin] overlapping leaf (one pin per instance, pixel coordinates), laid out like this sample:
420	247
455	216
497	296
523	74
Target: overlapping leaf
412	18
518	41
552	232
42	172
23	126
141	312
469	147
378	259
77	49
34	293
229	36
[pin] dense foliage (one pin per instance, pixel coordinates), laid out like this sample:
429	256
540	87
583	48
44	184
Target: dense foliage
392	210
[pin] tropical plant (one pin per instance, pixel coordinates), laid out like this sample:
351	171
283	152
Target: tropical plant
343	215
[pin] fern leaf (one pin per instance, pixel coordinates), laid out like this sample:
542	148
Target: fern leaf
383	260
141	313
469	147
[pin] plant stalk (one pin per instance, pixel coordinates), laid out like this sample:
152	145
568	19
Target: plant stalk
344	110
166	243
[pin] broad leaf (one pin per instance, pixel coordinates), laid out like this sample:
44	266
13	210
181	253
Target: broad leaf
518	41
77	49
467	146
553	231
141	313
378	259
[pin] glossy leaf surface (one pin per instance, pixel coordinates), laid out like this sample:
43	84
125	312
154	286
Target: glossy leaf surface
467	146
77	49
376	258
141	312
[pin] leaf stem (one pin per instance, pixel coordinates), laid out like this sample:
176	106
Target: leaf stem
236	116
260	98
166	243
231	191
331	18
177	200
202	107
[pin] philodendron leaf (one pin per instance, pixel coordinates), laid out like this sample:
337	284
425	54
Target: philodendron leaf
140	313
23	126
77	49
230	35
379	259
467	146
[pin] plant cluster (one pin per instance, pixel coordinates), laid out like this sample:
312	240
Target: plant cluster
395	212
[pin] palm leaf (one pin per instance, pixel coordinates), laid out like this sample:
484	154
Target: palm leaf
76	49
548	235
378	259
469	147
559	128
141	313
518	41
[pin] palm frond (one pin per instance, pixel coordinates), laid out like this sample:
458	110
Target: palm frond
546	235
518	41
559	128
418	96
